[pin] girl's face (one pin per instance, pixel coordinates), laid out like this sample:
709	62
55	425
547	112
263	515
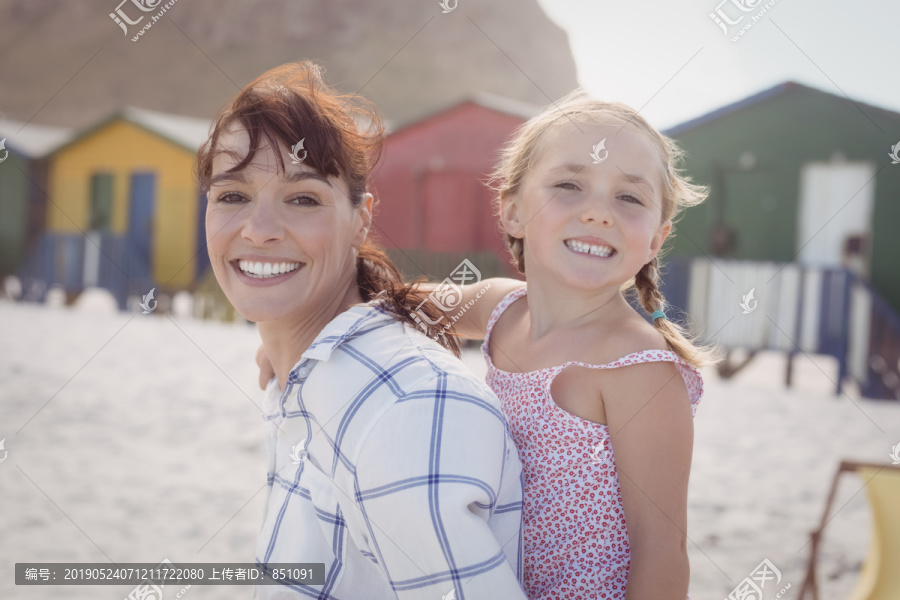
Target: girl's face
280	244
589	224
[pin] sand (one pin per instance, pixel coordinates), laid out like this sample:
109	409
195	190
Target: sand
138	437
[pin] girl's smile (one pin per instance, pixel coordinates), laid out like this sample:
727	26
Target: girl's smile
590	246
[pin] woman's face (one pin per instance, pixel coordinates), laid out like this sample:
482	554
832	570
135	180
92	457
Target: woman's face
280	244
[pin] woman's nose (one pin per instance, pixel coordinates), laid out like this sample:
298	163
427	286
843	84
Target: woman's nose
262	224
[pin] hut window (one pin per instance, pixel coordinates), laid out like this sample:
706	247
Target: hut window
101	201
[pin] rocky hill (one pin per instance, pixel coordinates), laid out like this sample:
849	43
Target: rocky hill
68	63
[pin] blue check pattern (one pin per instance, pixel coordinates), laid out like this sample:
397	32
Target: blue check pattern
389	461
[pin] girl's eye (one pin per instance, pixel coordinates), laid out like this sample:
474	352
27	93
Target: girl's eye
305	200
567	185
230	198
631	199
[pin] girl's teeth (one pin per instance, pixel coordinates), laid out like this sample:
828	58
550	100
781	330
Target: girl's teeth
577	246
260	270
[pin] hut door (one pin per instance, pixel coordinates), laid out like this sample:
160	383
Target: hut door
450	224
139	243
100	222
835	220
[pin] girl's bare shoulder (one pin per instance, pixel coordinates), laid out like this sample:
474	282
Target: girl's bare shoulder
626	336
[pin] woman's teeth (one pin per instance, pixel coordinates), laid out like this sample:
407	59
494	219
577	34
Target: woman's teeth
261	270
589	248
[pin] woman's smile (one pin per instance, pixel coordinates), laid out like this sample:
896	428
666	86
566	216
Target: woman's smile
265	272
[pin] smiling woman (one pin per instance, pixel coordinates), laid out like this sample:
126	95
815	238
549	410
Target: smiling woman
389	461
342	140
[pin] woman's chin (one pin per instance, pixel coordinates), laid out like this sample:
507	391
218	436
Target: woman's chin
260	313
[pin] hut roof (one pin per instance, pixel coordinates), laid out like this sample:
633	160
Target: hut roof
510	106
187	132
767	94
31	140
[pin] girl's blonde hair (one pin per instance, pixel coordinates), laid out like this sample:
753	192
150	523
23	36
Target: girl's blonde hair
521	153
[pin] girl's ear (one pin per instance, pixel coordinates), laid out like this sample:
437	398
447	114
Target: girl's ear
658	239
365	222
510	216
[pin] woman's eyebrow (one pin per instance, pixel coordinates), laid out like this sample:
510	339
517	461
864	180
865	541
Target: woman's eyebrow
295	176
292	177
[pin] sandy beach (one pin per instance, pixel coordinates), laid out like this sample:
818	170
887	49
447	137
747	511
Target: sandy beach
135	438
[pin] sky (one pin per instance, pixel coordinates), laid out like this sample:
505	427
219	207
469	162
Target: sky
670	60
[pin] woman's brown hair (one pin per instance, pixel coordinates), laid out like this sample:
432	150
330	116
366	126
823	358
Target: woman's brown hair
291	102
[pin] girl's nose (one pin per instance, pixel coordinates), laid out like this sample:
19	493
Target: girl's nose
262	224
596	210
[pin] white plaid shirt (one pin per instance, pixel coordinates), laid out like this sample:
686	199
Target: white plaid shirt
393	464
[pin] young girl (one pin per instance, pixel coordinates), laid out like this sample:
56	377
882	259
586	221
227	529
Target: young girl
599	401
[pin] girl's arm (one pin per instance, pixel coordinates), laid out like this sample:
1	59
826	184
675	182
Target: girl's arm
652	432
483	296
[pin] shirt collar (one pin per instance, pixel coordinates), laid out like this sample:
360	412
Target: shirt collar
345	326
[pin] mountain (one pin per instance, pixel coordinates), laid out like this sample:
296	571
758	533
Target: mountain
68	63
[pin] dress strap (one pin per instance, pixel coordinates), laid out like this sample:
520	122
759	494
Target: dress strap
502	306
692	378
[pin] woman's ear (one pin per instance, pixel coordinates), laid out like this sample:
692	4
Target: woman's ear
510	216
365	219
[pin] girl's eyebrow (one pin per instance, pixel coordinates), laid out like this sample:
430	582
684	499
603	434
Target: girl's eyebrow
292	177
577	168
568	168
638	179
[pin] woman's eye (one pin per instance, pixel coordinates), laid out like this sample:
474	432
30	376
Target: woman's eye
305	200
230	198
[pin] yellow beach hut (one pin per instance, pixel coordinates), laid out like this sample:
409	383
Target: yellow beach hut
124	212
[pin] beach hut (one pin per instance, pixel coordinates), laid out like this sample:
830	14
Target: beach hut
796	174
800	223
434	209
125	213
23	182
